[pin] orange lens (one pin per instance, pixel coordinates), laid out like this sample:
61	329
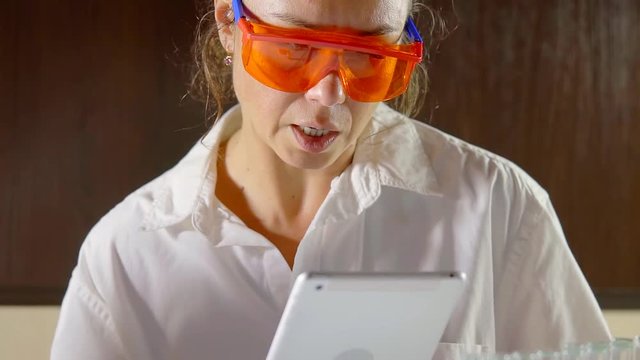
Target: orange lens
296	67
374	78
280	66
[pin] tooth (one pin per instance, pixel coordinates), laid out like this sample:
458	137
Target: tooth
310	131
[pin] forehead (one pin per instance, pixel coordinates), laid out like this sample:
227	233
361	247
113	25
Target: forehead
362	15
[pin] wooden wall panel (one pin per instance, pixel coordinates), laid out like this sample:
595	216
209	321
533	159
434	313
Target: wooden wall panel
554	85
90	109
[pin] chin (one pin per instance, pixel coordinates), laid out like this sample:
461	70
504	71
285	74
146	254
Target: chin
308	161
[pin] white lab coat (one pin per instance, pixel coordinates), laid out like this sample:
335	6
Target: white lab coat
170	273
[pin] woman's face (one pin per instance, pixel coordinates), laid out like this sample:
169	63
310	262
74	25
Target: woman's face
278	119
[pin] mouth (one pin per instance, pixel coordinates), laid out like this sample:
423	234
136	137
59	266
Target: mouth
313	140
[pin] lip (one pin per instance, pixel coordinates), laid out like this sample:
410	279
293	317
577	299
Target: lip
318	126
313	144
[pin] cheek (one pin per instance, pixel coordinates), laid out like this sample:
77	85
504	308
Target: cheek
246	87
361	114
257	101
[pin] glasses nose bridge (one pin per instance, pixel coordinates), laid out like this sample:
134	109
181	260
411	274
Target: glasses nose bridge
324	88
328	60
331	63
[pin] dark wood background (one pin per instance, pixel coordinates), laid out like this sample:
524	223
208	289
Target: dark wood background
91	108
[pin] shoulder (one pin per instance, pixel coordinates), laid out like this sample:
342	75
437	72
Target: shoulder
166	200
452	158
128	216
448	152
118	233
511	191
469	175
132	214
140	224
450	155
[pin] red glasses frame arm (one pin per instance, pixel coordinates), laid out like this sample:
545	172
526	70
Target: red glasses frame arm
412	52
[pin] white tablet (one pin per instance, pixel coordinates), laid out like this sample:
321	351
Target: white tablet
366	316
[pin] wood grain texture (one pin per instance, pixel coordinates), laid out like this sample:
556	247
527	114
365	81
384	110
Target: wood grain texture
554	85
90	109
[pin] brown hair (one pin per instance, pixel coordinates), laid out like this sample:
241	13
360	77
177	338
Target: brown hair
211	79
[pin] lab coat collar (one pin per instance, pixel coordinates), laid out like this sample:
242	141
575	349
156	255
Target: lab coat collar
397	152
390	153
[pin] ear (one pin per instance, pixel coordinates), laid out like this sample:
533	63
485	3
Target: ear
224	21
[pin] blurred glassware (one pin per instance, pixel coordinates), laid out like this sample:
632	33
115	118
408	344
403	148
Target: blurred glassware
571	352
622	349
619	349
542	355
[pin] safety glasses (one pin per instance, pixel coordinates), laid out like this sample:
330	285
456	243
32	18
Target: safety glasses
294	60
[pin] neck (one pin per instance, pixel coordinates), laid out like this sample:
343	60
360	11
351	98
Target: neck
274	194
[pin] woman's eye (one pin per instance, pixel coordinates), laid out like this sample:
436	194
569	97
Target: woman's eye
295	46
363	58
294	51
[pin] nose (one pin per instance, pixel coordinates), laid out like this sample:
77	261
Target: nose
328	91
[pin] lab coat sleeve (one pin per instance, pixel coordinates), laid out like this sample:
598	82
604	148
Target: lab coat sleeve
85	328
542	299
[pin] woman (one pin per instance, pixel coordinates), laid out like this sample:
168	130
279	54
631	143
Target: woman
312	172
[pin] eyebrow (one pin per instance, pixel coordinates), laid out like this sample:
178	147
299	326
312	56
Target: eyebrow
380	30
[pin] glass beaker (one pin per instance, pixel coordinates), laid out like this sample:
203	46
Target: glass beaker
543	355
622	349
